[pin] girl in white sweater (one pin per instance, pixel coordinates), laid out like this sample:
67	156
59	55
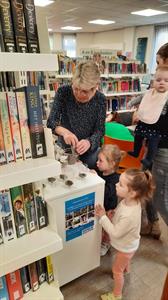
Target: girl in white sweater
133	188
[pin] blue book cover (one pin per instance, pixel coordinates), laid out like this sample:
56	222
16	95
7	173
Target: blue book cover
3	289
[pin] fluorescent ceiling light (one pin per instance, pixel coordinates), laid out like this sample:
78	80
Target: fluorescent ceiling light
101	22
148	12
71	28
50	29
42	3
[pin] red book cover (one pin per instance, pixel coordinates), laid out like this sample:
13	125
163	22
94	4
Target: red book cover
14	285
33	276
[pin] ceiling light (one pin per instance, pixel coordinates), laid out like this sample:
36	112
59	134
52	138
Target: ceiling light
148	12
42	3
101	22
71	28
50	29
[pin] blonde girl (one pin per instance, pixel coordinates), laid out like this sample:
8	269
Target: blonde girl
134	188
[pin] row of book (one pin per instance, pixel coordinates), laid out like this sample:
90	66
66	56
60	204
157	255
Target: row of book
118	103
125	68
23	210
120	85
14	285
21	128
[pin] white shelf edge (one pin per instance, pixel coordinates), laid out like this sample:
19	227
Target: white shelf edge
28	62
123	94
119	75
59	76
19	173
47	92
45	292
27	249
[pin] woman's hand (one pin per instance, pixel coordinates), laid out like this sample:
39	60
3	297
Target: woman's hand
99	211
70	138
82	146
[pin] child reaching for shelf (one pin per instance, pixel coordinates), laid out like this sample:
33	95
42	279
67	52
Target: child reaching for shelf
133	188
152	110
107	164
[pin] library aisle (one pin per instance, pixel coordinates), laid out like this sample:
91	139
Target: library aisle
148	272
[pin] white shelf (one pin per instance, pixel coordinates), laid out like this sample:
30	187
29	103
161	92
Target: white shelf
27	249
108	75
45	292
63	76
47	92
28	62
19	173
123	94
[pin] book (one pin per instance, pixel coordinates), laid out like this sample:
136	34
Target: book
23	123
49	266
14	285
1	39
6	216
1	234
19	25
7	26
33	276
2	145
6	128
25	280
3	289
40	204
35	123
31	26
41	270
18	210
29	207
14	122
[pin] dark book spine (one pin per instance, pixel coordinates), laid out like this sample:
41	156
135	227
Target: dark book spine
41	270
19	25
35	121
33	276
2	49
31	26
24	274
7	26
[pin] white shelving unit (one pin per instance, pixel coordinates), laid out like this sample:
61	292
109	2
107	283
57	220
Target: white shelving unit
121	75
31	247
122	94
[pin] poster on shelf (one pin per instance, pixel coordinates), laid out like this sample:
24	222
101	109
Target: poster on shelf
79	216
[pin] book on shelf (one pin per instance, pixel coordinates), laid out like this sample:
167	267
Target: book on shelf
1	234
35	123
40	204
6	217
15	128
33	276
29	207
14	285
7	26
49	267
6	128
18	211
2	145
3	289
41	270
1	39
19	25
25	280
23	123
31	26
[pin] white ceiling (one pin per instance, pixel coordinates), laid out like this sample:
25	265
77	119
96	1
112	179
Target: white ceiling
79	12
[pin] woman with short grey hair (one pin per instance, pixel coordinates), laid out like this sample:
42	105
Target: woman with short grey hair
78	113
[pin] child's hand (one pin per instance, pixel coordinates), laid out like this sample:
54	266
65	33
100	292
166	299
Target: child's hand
99	211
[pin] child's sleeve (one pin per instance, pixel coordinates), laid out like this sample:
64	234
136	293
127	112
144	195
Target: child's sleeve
118	230
135	101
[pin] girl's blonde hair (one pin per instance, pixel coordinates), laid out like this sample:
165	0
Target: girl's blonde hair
87	75
141	182
113	154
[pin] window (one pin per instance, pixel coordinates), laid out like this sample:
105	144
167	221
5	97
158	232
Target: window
69	44
161	34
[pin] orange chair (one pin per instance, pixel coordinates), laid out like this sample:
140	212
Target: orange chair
128	161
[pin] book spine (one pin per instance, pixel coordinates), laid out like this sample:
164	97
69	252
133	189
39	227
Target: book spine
1	232
18	211
23	122
31	26
6	128
40	204
24	274
2	49
41	270
6	214
29	207
14	285
2	145
14	122
7	26
19	25
33	276
35	121
3	289
50	273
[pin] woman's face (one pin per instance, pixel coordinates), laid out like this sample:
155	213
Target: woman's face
83	95
160	61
